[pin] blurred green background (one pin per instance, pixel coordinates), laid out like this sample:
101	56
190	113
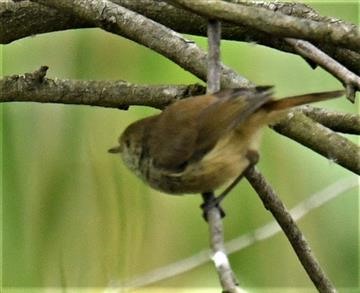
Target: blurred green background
74	216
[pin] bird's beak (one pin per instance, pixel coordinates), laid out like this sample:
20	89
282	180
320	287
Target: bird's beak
115	150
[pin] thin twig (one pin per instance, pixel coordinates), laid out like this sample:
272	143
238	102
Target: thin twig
115	94
350	80
262	233
213	215
302	249
341	122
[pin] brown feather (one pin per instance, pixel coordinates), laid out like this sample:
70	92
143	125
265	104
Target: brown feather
200	143
233	108
294	101
173	137
203	120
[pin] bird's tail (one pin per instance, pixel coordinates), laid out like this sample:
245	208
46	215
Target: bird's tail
290	102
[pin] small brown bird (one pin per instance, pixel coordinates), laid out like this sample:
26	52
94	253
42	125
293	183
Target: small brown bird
198	144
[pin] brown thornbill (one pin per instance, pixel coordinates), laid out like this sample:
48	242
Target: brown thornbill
200	143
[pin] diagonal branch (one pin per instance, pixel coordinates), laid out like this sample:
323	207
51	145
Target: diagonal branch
119	20
276	23
262	233
22	19
350	80
320	139
340	122
34	87
302	249
309	204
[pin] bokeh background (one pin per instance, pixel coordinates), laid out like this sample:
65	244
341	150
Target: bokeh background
75	217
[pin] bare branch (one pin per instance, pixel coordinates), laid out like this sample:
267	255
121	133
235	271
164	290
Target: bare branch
214	63
340	122
142	30
24	19
320	139
34	87
292	232
213	215
276	23
350	80
262	233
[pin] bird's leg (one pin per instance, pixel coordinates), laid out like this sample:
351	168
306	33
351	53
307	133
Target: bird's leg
212	201
209	203
253	158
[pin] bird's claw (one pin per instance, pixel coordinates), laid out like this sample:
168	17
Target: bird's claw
210	204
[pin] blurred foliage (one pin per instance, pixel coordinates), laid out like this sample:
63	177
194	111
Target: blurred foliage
74	216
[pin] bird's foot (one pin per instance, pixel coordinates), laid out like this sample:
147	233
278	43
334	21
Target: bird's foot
210	202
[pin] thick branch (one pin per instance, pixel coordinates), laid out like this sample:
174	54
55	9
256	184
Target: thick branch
336	121
31	87
121	94
276	23
142	30
34	87
24	19
320	139
272	203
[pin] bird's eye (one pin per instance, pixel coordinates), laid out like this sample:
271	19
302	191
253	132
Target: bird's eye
127	143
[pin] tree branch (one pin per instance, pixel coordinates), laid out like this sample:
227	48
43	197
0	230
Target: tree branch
276	23
320	139
25	18
18	20
122	21
213	216
34	87
121	94
302	249
262	233
214	63
172	45
340	122
350	80
142	30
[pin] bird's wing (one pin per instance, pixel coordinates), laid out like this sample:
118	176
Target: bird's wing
188	129
233	107
173	136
